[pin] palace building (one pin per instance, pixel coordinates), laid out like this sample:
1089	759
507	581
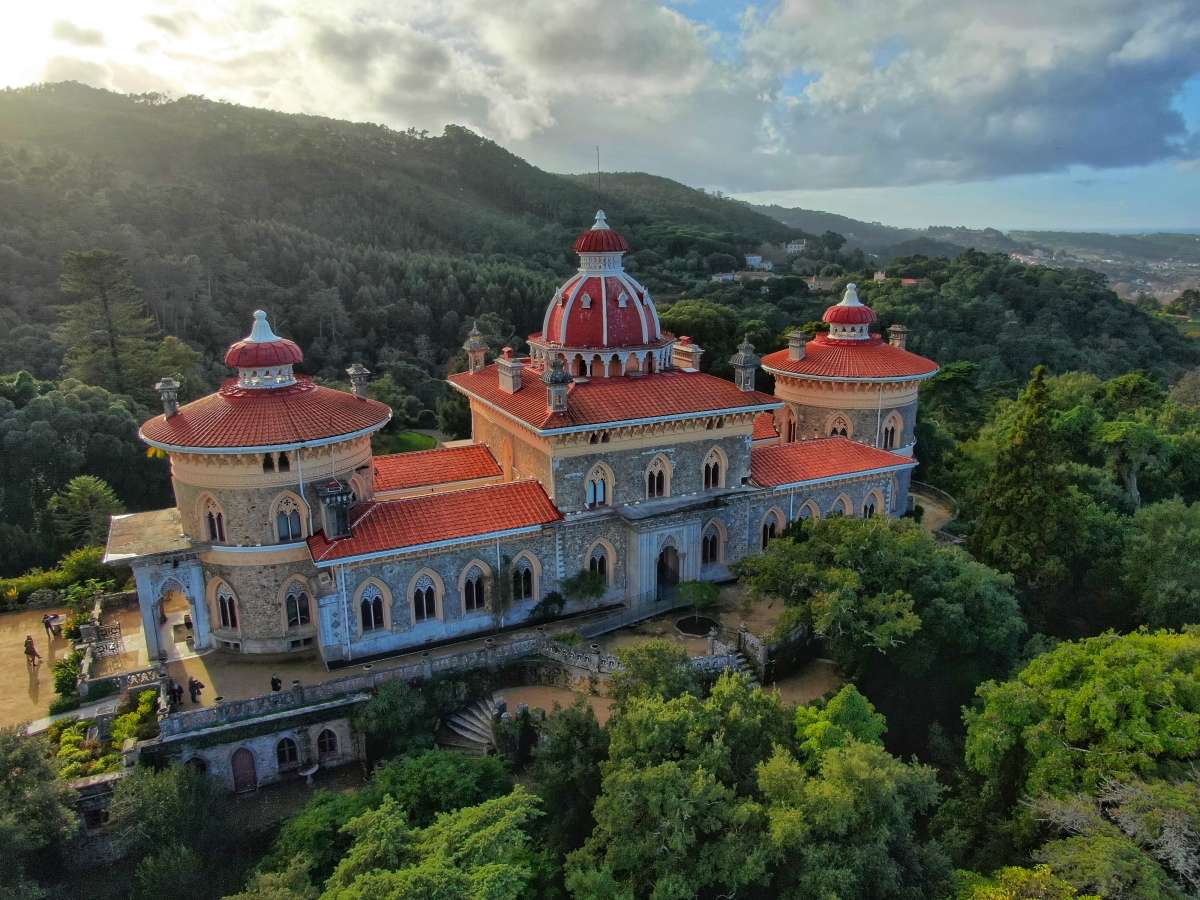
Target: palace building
605	451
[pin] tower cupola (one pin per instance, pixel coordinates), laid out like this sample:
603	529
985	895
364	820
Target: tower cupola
263	359
851	319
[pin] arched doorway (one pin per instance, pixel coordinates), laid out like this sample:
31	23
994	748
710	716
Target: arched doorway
245	777
668	573
173	617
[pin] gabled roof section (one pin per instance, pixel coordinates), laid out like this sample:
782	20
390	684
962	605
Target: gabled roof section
385	527
822	459
132	535
401	471
764	427
614	401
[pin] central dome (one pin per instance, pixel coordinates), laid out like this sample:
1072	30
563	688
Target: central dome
601	306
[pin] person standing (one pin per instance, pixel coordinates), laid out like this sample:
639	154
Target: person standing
276	683
195	686
48	624
32	657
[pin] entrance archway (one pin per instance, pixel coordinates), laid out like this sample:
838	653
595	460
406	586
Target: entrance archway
173	618
245	776
668	573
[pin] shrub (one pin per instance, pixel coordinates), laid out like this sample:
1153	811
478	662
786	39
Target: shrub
78	565
140	723
548	607
63	704
585	585
66	674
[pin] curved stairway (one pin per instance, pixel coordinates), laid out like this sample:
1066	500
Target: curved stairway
470	730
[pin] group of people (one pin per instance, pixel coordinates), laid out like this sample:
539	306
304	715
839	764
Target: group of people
194	687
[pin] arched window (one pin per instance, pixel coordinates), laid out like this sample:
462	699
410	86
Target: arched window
268	462
809	511
597	490
658	478
424	599
214	521
327	744
474	590
371	608
297	606
598	563
287	753
522	580
285	464
771	526
869	508
288	523
710	546
226	607
714	471
839	427
892	429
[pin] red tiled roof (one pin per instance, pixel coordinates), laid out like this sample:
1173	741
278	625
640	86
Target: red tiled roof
822	458
603	321
236	417
872	358
432	518
248	354
398	471
764	427
840	314
618	399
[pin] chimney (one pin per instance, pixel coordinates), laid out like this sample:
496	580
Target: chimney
168	389
557	382
685	354
508	368
335	508
796	343
898	336
358	380
745	365
476	350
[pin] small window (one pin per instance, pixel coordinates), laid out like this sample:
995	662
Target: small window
268	464
287	753
285	464
869	508
710	547
522	581
288	523
226	609
474	596
327	744
656	479
768	531
598	564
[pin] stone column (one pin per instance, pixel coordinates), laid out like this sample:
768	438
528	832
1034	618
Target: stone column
201	627
147	604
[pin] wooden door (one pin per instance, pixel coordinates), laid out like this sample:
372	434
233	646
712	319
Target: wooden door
245	778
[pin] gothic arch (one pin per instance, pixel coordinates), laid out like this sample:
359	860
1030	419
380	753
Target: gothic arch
713	540
716	468
211	518
873	504
598	486
839	425
421	607
223	608
788	426
367	611
478	599
891	435
809	510
657	480
894	493
531	588
610	559
842	506
296	603
288	519
771	525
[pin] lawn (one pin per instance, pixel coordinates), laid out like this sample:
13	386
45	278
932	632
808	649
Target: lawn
403	442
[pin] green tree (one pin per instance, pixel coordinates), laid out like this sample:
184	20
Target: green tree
566	772
172	807
172	869
656	667
846	716
1109	707
37	810
701	596
291	883
1014	883
1160	566
398	719
81	510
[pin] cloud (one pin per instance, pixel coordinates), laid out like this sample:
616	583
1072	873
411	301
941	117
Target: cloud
806	94
73	34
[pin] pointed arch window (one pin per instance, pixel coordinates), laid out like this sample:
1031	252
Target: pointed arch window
891	431
226	608
598	563
791	429
289	526
770	528
713	470
327	744
869	508
371	609
658	479
424	599
214	520
287	753
596	490
522	581
710	546
839	428
474	590
298	608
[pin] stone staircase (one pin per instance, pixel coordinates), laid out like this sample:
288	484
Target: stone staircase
469	730
741	665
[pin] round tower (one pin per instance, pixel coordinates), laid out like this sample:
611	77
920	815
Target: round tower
259	467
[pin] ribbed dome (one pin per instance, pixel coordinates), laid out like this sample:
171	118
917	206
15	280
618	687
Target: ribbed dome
600	238
262	348
851	311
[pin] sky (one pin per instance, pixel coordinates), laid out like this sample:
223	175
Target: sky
1079	114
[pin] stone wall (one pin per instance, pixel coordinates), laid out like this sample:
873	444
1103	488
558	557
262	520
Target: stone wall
814	422
262	621
520	453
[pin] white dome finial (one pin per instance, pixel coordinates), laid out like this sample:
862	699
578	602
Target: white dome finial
850	298
601	222
260	332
